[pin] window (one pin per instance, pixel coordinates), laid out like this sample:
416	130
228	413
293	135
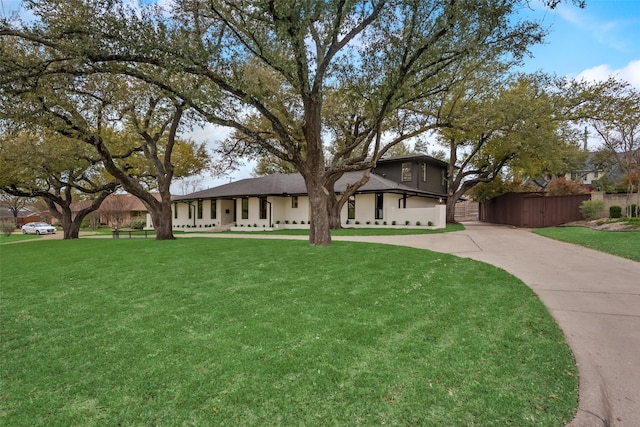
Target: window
406	171
189	205
443	174
213	209
351	207
175	210
379	205
595	174
294	202
263	207
245	208
200	208
423	169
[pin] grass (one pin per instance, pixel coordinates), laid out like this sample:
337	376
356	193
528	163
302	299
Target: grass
360	231
231	332
17	236
621	243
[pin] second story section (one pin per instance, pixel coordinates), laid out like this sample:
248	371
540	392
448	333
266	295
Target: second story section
422	172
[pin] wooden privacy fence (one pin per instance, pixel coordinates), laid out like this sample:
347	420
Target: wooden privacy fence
532	210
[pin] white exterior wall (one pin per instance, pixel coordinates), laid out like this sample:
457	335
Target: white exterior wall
282	215
419	209
299	214
206	222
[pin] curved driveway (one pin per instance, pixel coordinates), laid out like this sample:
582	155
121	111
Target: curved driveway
594	297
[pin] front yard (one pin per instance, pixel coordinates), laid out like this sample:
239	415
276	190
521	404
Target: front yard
231	332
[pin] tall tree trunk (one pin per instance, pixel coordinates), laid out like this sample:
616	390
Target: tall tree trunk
319	230
333	209
162	223
61	210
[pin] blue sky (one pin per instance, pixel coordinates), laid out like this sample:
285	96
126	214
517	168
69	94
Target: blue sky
600	40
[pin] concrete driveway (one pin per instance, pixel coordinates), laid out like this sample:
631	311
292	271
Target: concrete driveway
594	297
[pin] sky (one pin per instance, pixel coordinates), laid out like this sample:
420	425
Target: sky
593	43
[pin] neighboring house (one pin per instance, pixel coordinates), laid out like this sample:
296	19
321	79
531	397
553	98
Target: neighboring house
25	215
117	210
591	172
402	189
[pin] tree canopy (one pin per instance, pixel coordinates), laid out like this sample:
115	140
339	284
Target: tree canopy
230	61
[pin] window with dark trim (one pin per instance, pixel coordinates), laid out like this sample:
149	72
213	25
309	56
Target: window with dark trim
213	209
189	206
263	208
294	202
379	205
351	207
200	204
175	210
406	171
423	168
245	208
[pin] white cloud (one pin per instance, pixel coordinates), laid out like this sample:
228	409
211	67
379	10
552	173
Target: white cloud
629	73
610	33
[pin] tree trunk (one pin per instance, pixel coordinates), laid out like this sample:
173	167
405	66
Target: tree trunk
162	219
319	231
451	209
333	209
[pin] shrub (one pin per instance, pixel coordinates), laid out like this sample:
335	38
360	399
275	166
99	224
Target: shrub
393	223
368	222
286	221
376	223
294	222
7	227
418	223
430	223
301	222
278	222
357	222
615	212
347	222
138	223
634	211
592	209
407	222
384	223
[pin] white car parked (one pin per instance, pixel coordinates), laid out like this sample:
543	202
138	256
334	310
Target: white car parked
38	228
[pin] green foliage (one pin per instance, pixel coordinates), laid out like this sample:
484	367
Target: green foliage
181	340
488	190
592	209
563	187
615	211
138	222
7	227
633	212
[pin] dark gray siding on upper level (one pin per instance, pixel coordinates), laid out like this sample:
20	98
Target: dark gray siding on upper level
424	173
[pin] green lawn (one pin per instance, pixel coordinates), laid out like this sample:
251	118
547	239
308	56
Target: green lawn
362	231
17	236
621	243
229	332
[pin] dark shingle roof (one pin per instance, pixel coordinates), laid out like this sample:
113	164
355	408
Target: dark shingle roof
293	184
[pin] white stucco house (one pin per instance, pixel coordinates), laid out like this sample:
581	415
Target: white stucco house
406	191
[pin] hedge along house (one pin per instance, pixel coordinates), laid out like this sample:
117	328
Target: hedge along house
406	191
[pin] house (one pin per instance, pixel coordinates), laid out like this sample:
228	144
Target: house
25	215
117	210
401	191
592	171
